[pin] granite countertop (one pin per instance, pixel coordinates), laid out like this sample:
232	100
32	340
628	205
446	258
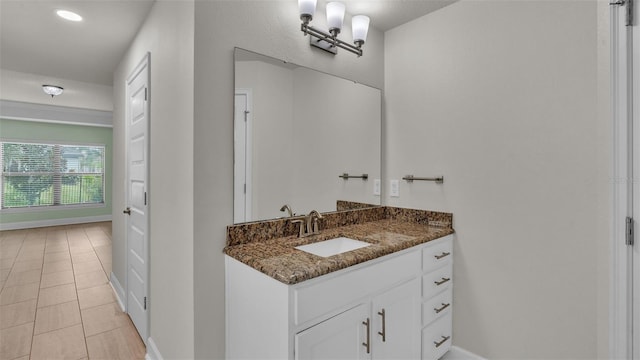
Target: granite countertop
278	258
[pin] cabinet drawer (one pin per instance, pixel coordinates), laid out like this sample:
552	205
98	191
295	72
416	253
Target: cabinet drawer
437	307
335	292
436	338
437	255
437	281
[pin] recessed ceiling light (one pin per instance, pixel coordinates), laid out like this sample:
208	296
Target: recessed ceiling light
69	15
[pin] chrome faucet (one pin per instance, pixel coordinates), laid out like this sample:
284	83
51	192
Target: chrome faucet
312	222
288	208
309	225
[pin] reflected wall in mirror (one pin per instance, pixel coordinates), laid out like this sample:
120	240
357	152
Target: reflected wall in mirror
295	131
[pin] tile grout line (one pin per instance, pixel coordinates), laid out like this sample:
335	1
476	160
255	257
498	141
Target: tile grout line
35	314
84	333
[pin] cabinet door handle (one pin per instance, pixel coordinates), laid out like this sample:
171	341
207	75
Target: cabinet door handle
444	254
444	306
367	344
384	326
444	280
444	339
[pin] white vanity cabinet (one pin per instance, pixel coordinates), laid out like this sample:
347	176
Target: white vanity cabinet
380	309
386	327
437	278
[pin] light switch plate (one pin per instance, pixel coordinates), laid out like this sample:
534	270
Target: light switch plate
395	188
376	187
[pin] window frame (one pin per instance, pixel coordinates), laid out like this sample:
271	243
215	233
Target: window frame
40	208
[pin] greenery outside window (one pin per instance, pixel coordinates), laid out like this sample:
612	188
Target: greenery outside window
41	175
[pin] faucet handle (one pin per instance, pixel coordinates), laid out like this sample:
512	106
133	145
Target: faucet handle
315	224
301	231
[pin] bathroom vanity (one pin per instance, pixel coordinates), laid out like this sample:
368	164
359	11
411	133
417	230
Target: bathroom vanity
389	299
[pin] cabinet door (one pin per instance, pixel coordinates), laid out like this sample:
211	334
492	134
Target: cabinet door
400	323
343	336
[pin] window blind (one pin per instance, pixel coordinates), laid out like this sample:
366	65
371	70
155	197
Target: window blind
36	175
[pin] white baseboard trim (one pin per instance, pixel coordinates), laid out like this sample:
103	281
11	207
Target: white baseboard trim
152	351
118	290
456	353
53	222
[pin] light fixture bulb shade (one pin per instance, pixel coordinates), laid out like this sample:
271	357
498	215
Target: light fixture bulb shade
360	28
335	15
307	7
52	90
69	15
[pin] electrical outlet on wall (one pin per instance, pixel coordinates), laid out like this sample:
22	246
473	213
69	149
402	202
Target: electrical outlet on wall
394	188
376	187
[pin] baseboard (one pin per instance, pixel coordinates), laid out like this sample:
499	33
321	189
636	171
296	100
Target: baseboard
456	353
152	351
53	222
118	290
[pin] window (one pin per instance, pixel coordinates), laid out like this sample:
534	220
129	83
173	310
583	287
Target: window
37	175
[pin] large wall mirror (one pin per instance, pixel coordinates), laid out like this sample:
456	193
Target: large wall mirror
296	131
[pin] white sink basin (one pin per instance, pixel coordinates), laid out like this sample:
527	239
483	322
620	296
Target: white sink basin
333	246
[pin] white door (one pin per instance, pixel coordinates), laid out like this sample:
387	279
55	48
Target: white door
137	128
242	156
345	336
396	328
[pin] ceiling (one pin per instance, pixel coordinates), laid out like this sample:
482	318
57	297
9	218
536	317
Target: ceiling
34	40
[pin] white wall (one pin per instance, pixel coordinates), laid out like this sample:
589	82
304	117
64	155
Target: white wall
168	35
503	98
24	87
267	27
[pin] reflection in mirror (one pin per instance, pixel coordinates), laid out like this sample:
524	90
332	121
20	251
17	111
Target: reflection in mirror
296	131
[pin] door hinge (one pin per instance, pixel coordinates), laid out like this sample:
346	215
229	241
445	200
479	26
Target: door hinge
629	10
145	303
246	115
145	94
629	231
145	198
245	188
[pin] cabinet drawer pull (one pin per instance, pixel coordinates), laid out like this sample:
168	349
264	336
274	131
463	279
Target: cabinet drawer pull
444	339
384	326
368	343
444	306
444	280
444	254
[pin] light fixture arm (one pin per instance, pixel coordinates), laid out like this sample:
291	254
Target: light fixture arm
330	38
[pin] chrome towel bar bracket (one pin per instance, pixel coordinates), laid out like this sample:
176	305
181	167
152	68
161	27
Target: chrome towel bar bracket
347	176
411	178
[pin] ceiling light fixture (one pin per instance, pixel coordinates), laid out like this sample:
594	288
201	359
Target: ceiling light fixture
69	15
335	17
52	90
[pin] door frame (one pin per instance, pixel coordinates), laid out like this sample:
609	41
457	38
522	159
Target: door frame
144	64
248	159
625	193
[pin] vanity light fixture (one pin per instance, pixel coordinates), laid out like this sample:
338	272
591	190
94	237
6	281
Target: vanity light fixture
329	41
52	90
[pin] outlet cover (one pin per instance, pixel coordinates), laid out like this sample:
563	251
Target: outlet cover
395	188
376	187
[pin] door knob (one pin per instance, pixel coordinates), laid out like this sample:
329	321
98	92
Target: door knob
127	211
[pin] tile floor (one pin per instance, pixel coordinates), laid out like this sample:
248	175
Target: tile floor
55	298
